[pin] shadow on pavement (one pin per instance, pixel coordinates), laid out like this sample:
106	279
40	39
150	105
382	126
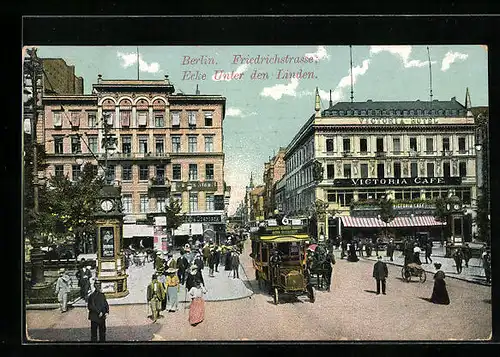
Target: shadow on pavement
113	333
426	299
487	301
371	291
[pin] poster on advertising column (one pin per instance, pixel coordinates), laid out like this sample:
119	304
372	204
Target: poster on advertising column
107	242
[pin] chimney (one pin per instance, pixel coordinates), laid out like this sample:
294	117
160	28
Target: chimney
99	78
197	90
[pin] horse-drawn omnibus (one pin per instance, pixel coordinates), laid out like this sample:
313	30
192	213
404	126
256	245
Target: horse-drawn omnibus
280	262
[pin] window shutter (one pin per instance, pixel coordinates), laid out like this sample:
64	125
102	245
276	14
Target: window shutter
142	118
57	119
125	118
176	120
192	118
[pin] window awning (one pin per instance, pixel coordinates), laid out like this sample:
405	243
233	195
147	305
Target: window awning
137	230
369	222
183	229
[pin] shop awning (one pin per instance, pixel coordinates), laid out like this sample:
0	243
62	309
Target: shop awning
183	229
369	222
137	230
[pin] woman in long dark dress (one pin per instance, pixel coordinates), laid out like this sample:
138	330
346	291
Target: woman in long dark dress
352	253
439	293
227	260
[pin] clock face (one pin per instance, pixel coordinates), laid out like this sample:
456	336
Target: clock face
456	206
106	205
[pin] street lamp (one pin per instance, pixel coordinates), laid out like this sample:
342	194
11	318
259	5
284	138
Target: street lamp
189	188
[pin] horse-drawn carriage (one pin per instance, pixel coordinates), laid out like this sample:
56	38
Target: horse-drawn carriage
279	260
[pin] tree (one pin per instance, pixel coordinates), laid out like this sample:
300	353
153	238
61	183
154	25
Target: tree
70	207
482	219
441	215
173	216
386	212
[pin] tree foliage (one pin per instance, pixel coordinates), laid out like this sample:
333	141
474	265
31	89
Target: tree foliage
386	210
482	220
174	218
69	206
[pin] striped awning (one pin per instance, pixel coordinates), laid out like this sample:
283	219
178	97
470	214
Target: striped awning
369	222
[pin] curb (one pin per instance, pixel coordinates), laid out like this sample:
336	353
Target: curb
432	272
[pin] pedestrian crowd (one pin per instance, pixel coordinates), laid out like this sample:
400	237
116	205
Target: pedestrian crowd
187	270
411	250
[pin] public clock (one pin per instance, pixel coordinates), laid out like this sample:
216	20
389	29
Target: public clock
456	207
106	205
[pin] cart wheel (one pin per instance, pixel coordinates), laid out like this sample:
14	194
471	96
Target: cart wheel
423	276
275	296
407	275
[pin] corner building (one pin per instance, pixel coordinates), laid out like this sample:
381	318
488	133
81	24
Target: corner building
410	151
168	146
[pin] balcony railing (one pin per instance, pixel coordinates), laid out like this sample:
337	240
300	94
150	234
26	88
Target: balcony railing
159	181
136	155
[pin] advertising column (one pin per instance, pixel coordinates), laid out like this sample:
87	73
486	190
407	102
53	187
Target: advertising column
160	239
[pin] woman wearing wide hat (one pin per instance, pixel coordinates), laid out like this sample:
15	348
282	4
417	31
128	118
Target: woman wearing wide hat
173	286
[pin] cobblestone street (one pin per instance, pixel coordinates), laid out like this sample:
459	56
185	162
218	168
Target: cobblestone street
351	311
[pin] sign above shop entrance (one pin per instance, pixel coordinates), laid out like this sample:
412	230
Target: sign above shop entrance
406	181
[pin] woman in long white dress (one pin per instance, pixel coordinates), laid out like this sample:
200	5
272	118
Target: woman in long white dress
197	307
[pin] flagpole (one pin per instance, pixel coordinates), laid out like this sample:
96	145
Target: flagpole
430	72
352	84
137	62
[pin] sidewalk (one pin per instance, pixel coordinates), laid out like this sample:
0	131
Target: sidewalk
221	287
474	273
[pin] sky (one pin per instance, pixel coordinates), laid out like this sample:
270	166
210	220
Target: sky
266	103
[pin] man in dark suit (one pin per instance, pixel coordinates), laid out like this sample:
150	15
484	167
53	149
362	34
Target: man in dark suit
380	273
98	310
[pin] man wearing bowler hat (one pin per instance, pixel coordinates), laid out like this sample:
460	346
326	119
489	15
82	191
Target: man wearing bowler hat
98	311
380	273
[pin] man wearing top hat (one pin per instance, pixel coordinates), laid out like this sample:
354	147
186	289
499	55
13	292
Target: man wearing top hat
63	286
98	310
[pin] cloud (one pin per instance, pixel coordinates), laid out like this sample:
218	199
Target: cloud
345	82
242	68
319	54
129	59
403	52
236	112
279	90
450	58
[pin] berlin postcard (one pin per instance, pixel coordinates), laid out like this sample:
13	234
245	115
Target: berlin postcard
256	193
